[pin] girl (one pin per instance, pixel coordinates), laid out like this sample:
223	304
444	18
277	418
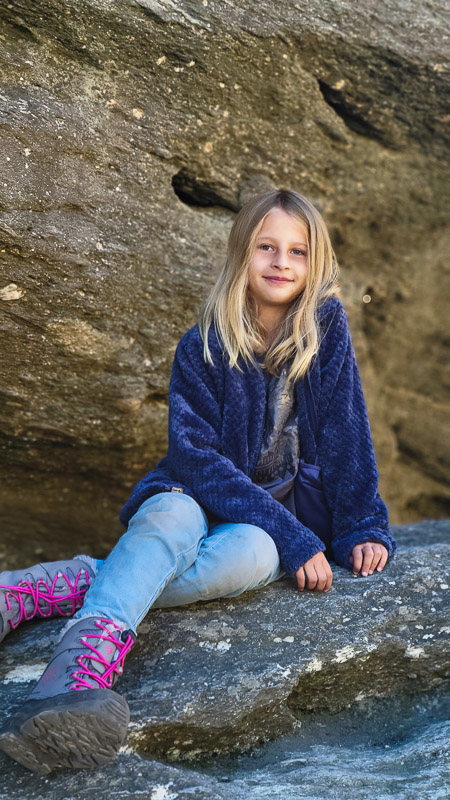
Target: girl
217	515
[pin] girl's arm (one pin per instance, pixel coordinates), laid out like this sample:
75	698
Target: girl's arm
195	460
345	448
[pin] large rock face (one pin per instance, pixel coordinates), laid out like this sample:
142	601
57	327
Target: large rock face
337	679
132	133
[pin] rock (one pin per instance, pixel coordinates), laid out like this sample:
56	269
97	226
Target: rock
129	777
246	669
384	748
132	136
298	669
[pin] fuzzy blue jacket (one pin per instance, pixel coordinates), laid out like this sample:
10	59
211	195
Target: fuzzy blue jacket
216	425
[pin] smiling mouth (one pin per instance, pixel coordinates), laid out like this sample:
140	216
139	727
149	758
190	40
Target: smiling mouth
278	280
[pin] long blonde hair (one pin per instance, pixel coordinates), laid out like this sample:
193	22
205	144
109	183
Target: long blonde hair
228	306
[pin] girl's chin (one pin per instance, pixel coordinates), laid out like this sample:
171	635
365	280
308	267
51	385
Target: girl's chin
274	295
284	293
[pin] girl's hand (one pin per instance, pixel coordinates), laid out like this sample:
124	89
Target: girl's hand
315	574
365	557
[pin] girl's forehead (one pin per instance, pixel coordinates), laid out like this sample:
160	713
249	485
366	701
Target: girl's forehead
278	220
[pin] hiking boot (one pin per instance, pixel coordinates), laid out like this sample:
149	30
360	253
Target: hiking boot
72	719
44	590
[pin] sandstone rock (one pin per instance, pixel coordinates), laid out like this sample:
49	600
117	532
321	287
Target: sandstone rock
132	133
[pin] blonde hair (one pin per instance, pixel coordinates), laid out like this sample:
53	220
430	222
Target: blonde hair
228	306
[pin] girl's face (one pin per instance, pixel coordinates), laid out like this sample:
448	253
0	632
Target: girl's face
278	267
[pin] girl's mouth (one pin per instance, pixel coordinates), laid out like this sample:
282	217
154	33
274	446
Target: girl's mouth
278	280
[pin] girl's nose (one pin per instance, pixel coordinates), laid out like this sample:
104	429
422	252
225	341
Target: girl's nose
279	262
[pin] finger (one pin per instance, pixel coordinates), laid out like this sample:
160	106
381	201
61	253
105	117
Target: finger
321	579
311	578
367	560
384	558
301	579
357	559
329	579
376	558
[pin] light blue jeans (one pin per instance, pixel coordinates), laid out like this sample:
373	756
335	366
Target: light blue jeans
170	556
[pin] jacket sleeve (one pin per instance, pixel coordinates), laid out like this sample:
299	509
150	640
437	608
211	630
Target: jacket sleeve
345	448
221	487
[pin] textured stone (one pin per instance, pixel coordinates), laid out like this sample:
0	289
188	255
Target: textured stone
129	777
131	134
363	667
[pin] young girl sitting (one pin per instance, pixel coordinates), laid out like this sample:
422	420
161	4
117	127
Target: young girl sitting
220	514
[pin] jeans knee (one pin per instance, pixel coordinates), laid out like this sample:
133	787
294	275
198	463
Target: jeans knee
262	554
244	557
169	509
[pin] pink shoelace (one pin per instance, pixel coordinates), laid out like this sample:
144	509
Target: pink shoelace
41	592
112	668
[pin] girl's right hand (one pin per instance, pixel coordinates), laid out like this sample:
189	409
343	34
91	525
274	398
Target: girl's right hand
315	574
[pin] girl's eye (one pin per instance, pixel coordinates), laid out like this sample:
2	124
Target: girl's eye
295	249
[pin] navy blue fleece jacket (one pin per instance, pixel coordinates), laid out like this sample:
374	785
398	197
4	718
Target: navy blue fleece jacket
216	425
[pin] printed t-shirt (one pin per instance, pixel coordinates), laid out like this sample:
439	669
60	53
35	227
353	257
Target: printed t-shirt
280	450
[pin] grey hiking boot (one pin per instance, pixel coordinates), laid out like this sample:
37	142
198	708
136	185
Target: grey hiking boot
72	719
44	590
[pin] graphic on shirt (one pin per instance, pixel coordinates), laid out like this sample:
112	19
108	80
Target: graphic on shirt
280	450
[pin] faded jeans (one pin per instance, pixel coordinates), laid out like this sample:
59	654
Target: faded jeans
170	556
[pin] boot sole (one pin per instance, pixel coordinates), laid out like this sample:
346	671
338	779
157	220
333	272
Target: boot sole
69	731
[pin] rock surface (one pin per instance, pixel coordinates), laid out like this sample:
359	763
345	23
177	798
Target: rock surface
131	134
324	677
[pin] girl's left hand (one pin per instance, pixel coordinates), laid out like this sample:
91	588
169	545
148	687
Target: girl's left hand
368	556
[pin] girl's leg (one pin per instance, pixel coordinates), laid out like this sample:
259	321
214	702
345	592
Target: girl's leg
59	587
162	541
234	558
44	590
72	718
